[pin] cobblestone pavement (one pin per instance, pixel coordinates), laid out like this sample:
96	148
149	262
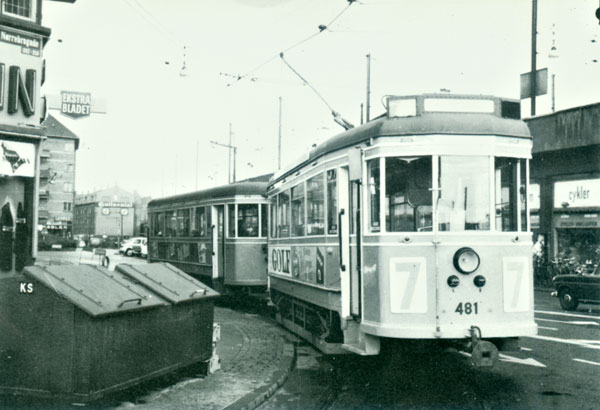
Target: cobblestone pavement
256	356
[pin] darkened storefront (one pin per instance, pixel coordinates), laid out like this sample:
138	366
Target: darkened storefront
565	184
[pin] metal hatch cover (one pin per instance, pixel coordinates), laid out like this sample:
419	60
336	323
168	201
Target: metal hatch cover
166	280
95	289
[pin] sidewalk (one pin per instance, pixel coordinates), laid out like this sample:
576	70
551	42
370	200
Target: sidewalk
256	358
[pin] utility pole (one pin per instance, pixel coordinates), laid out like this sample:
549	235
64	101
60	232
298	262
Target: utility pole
553	101
279	137
369	87
362	109
231	147
533	54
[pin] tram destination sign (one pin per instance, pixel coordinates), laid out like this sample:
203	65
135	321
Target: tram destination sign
75	104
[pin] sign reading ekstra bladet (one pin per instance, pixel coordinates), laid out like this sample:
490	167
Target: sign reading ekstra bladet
20	77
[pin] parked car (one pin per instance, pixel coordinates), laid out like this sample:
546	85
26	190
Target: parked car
576	288
141	249
128	247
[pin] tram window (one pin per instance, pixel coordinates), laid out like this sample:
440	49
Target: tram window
273	219
171	223
353	206
199	222
247	220
332	220
523	194
158	222
231	221
408	194
298	210
315	203
506	194
183	222
463	203
374	194
283	215
264	228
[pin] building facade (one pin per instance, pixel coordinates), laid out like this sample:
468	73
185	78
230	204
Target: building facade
565	183
57	178
106	213
22	40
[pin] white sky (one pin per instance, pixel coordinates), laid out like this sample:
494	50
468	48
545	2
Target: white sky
118	49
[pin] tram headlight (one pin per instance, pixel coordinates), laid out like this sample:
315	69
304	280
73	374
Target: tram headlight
479	281
453	281
466	260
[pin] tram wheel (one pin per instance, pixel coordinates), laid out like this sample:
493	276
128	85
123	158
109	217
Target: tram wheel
567	299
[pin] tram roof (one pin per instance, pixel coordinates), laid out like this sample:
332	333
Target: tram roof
224	191
426	123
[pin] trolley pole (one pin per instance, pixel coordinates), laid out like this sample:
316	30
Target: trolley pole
533	54
369	87
230	145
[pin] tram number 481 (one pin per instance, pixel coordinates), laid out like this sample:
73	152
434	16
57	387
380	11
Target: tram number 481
467	308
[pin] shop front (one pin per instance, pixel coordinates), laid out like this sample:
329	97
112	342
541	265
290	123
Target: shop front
21	71
576	222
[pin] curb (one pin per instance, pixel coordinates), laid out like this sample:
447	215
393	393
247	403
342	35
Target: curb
259	396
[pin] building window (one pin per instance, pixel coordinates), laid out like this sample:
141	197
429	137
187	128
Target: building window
67	206
19	8
69	147
68	187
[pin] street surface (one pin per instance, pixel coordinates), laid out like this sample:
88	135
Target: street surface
558	369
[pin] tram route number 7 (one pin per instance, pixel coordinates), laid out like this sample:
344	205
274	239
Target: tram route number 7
467	308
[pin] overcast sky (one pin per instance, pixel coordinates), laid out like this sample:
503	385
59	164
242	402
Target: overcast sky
130	53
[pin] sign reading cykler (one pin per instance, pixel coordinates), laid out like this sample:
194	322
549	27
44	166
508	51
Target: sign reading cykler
75	104
577	194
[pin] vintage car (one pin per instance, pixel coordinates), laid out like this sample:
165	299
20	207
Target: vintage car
576	288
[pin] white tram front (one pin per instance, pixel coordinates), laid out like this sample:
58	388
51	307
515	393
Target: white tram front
412	226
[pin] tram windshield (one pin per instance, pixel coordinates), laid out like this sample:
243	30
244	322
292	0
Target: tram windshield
463	202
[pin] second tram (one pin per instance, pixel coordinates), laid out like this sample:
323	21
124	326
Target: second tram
218	235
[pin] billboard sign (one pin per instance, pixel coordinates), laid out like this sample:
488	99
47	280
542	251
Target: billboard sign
75	104
20	77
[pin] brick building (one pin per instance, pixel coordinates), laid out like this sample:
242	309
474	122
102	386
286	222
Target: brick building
107	212
57	178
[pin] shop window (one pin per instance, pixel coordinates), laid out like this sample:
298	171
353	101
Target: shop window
283	215
247	220
463	203
315	203
199	222
273	216
19	8
298	210
332	219
264	220
231	221
68	187
374	194
408	194
579	247
506	194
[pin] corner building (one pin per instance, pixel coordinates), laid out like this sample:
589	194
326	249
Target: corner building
22	40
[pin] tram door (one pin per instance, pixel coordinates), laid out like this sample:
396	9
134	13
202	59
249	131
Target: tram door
218	241
348	216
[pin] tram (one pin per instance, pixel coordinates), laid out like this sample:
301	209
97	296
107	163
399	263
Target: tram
413	226
218	235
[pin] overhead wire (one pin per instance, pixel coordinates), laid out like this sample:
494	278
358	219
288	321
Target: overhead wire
321	27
